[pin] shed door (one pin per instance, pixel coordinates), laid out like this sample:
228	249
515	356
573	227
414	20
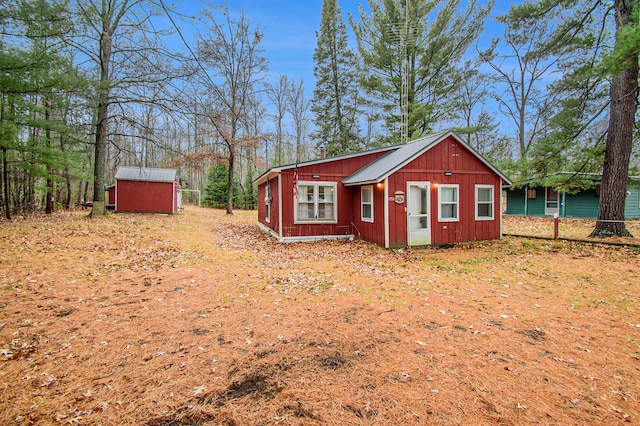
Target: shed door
418	229
552	202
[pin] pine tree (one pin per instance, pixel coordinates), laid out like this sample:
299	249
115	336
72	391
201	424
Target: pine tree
216	190
38	88
623	107
335	98
418	45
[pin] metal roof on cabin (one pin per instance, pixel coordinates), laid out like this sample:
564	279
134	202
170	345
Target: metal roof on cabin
393	161
145	174
389	163
274	171
385	165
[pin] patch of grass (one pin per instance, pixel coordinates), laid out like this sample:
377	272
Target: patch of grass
15	286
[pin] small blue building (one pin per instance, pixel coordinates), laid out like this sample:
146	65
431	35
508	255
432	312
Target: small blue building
530	198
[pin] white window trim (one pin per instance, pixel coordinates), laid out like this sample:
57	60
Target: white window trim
267	202
316	184
457	203
362	204
493	199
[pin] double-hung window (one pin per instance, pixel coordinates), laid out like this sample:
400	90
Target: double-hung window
316	202
366	203
484	202
448	196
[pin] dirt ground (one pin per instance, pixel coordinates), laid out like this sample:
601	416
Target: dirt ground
201	318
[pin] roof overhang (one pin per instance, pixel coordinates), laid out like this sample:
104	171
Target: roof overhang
268	175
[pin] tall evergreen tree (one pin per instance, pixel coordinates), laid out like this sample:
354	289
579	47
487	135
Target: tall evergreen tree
420	44
623	108
37	86
335	98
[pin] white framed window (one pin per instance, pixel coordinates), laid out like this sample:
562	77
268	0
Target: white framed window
267	202
484	202
366	203
448	199
316	202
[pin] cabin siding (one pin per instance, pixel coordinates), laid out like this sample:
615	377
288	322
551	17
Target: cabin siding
438	161
330	171
369	231
632	204
145	197
274	219
535	206
516	201
466	171
584	204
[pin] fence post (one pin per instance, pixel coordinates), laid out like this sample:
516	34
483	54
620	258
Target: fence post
555	226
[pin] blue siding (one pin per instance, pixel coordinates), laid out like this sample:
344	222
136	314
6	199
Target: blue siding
535	206
583	204
632	205
518	203
515	201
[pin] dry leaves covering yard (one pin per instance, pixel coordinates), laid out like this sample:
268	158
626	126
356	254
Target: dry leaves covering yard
200	318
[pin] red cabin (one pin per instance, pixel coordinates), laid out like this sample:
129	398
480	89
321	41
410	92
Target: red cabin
147	190
434	190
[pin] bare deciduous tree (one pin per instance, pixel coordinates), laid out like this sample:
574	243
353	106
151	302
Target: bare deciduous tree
232	51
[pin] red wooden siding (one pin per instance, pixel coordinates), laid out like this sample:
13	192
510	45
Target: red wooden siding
329	171
274	222
467	171
369	231
111	199
145	197
449	155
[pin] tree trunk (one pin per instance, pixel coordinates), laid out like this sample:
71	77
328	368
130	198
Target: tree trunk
49	201
615	171
99	159
230	181
67	177
5	184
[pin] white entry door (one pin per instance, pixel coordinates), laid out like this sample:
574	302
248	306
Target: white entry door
552	202
418	229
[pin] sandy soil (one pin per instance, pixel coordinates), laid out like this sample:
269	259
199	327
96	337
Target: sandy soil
200	318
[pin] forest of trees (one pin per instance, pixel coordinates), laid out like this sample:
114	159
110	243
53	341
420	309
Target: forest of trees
89	85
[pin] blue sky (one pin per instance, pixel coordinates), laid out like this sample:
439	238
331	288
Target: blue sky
290	29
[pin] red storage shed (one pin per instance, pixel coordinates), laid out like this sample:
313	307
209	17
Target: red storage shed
147	190
433	190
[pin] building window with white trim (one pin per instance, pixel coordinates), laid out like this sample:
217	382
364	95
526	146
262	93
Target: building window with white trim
316	202
484	202
448	203
267	202
366	203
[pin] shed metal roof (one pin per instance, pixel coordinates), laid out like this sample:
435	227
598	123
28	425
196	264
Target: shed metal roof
145	174
388	164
